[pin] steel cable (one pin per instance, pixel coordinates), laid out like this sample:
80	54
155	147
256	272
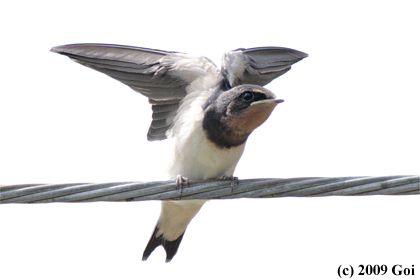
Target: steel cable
210	189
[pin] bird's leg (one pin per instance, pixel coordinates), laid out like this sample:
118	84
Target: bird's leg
180	181
233	181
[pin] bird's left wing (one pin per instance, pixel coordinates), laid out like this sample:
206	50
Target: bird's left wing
162	76
258	66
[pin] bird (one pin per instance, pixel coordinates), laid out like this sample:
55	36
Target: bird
208	112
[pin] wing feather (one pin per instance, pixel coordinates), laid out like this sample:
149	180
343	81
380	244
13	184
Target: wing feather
258	66
161	76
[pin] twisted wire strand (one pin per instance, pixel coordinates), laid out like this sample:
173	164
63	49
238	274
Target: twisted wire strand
210	189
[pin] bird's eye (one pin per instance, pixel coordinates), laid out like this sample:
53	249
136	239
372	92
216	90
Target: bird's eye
248	96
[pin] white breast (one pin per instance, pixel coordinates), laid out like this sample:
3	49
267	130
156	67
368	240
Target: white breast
194	156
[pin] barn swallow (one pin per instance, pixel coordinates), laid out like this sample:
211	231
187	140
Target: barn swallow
209	113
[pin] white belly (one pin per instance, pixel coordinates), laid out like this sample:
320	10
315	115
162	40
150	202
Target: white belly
200	158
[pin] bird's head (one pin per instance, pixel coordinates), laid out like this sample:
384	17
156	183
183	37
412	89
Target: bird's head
235	113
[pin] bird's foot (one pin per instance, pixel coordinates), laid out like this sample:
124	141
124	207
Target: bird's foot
180	181
233	181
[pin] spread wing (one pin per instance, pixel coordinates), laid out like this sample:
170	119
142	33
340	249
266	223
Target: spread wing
160	75
258	66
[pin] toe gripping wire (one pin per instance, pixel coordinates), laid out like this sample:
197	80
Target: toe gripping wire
210	189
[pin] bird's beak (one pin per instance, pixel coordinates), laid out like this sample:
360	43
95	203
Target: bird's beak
268	101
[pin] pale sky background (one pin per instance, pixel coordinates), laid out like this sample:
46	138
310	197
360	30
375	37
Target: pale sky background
351	108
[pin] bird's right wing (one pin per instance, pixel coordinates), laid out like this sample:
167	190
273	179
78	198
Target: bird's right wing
160	75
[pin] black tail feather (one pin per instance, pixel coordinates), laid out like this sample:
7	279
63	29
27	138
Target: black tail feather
171	247
153	243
